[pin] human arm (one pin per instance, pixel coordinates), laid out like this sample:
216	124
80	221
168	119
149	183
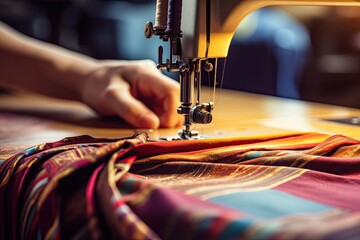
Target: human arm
133	90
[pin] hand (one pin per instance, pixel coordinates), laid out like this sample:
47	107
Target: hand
136	91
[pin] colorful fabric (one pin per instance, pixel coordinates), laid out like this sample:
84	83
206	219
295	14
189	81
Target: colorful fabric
299	186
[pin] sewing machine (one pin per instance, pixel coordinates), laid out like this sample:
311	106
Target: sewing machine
200	30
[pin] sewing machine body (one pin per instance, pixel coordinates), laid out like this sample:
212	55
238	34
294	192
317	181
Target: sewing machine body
206	30
225	16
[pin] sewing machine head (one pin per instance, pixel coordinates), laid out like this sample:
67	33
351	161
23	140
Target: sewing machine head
199	30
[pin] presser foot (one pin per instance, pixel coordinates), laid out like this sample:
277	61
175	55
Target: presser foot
188	134
183	135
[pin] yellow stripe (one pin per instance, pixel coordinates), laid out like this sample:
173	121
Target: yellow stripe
52	229
255	180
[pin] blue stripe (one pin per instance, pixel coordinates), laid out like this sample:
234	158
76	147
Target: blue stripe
253	155
269	204
235	229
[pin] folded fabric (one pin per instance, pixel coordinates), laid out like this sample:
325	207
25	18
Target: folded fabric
300	186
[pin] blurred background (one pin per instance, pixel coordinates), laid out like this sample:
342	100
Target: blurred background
308	53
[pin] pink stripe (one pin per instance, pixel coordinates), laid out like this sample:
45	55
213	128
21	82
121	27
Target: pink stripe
90	191
118	203
338	191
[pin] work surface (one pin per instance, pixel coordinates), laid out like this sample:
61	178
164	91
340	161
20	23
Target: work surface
263	177
26	120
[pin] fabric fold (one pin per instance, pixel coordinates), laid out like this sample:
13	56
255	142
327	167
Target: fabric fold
301	185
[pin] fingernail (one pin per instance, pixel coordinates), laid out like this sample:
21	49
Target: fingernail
149	120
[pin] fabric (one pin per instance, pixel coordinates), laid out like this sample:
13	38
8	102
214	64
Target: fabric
299	186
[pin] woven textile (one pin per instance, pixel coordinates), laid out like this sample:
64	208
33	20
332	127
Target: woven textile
285	187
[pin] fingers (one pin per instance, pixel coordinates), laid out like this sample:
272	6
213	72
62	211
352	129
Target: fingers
135	91
168	115
130	109
157	91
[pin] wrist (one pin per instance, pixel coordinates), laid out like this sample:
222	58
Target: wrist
71	75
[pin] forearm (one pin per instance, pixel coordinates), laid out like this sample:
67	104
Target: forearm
40	67
133	90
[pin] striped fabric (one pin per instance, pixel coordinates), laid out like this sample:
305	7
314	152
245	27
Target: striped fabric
298	186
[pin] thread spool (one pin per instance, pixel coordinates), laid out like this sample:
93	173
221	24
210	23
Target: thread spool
174	17
161	15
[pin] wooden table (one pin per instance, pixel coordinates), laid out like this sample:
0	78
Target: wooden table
27	119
